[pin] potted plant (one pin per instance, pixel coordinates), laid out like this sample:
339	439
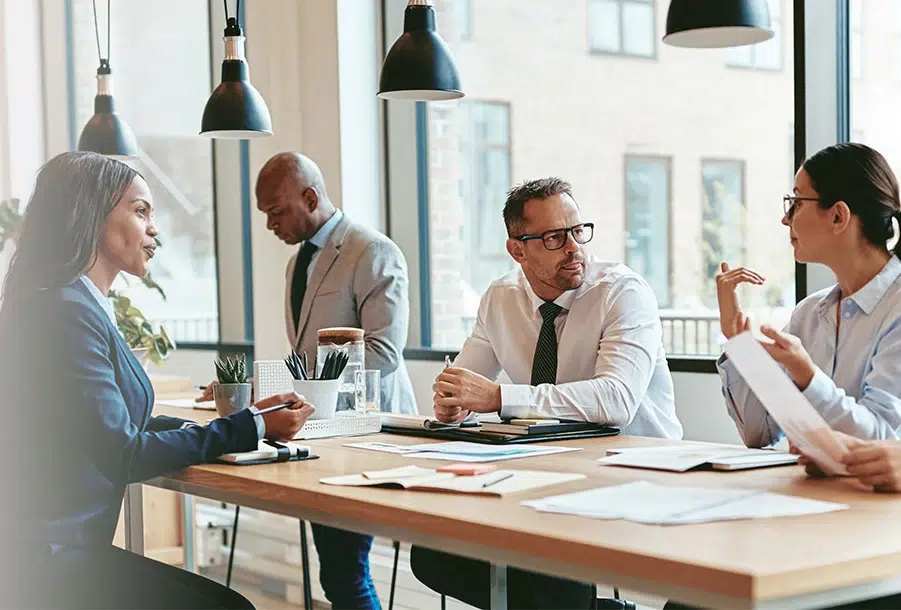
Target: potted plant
232	393
146	343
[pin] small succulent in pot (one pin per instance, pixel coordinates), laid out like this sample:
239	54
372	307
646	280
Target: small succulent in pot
233	392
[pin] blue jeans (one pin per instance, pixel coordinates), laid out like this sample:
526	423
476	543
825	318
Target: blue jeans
344	568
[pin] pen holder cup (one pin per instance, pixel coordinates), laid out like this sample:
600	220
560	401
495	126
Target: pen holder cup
322	394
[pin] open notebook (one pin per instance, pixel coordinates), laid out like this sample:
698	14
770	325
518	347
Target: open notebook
269	451
496	483
680	458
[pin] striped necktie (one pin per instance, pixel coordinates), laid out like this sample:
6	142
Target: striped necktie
544	364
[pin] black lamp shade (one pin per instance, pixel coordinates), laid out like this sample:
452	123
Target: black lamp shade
419	66
106	133
235	110
708	24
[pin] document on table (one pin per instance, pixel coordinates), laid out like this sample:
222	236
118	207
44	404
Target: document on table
683	457
187	403
802	424
461	451
496	483
650	503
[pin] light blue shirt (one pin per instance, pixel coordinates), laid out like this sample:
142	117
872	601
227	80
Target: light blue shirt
107	307
857	383
320	239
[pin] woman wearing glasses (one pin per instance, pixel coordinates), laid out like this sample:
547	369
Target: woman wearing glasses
842	346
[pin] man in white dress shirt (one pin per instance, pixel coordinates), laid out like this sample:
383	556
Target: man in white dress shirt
580	338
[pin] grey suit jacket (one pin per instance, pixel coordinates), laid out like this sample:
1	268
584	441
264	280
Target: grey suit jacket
359	279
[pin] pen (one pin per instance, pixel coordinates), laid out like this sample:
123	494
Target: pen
275	408
503	477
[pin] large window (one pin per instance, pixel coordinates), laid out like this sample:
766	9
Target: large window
723	222
161	71
673	183
765	55
647	222
623	27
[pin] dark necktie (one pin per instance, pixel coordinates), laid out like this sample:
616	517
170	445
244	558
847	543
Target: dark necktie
299	281
544	365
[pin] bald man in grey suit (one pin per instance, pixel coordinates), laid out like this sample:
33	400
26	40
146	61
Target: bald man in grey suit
343	274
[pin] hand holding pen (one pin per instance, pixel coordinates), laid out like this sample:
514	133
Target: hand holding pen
284	414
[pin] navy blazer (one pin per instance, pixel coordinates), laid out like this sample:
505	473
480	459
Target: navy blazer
80	408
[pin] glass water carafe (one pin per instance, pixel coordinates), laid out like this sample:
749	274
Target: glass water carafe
348	341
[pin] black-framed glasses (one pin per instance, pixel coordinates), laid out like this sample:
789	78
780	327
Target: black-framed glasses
790	204
556	238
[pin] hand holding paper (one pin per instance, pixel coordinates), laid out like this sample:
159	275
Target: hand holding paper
802	424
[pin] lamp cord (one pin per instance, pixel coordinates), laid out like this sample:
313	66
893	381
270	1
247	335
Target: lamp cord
237	10
103	62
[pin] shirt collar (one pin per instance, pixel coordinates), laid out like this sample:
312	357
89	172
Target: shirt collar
565	300
869	296
103	301
320	239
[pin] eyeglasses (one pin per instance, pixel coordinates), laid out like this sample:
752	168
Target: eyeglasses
790	204
556	238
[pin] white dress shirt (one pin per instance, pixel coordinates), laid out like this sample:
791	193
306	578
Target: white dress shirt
611	367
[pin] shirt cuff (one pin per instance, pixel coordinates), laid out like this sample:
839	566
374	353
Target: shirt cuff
260	423
188	424
820	389
515	401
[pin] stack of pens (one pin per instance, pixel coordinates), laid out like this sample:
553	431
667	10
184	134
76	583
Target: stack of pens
331	369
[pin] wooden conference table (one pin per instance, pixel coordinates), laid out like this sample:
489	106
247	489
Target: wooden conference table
796	562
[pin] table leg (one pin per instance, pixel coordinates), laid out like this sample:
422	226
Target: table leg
188	529
134	518
498	575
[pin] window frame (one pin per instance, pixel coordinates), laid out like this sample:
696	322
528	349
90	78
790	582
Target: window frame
668	160
509	147
622	52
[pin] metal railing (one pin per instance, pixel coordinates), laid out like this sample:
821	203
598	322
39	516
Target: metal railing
191	329
691	333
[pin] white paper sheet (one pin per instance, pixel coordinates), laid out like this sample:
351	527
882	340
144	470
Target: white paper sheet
803	426
461	451
650	503
682	457
188	403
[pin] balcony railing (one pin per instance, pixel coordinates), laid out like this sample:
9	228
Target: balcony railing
691	333
191	329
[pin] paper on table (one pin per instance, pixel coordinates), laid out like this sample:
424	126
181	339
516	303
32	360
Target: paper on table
650	503
803	426
638	501
188	403
680	458
425	479
461	451
384	447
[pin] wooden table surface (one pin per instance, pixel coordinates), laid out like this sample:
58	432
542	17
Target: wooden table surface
783	562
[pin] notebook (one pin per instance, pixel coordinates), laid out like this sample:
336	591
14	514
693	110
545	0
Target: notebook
551	426
267	452
418	422
681	458
496	483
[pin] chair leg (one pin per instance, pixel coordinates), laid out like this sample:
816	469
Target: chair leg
394	574
443	602
305	563
231	552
